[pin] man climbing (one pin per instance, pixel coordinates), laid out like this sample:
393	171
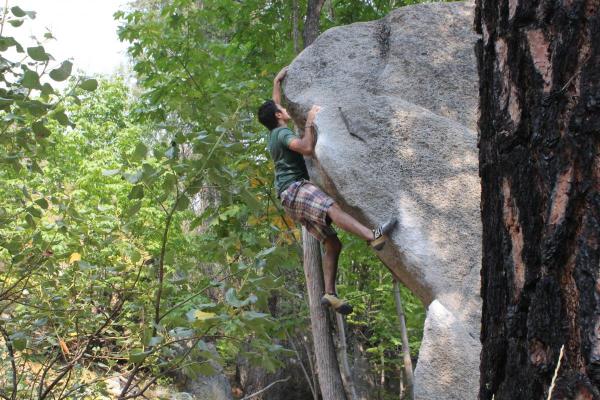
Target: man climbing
303	201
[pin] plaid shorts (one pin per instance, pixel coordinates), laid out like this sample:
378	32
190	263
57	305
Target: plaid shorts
304	202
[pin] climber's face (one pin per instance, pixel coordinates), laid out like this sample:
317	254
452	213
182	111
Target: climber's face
282	115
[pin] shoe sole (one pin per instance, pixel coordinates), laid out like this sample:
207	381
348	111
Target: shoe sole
379	243
344	309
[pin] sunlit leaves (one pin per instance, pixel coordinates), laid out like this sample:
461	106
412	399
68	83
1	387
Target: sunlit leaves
38	53
133	209
63	72
19	12
31	80
7	42
16	22
47	90
200	315
140	151
43	203
137	192
89	85
62	118
74	257
90	180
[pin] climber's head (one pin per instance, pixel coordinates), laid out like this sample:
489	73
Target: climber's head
272	115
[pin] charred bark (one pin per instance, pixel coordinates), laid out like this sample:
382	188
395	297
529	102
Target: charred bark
539	70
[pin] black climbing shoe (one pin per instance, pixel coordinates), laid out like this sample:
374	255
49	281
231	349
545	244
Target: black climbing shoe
379	234
339	305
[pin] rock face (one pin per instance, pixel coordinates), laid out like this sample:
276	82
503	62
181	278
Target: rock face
396	136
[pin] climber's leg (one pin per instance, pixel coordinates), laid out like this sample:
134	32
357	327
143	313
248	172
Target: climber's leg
304	201
376	237
332	247
348	223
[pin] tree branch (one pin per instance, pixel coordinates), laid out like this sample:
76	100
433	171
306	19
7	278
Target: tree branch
13	365
266	388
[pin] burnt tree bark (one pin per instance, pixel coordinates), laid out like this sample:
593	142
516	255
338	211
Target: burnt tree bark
539	71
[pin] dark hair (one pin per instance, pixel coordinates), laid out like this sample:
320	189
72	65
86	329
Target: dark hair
266	114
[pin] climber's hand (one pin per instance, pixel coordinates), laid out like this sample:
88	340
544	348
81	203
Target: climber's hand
312	114
281	74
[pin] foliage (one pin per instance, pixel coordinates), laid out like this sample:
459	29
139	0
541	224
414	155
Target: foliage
135	232
364	281
103	261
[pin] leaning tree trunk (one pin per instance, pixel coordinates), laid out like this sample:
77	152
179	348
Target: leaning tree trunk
539	70
328	371
407	362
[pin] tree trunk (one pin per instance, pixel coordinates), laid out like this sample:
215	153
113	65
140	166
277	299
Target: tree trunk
328	370
539	71
347	378
408	370
295	29
312	24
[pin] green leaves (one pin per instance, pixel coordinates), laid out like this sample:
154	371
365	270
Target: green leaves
62	118
138	356
140	151
87	206
40	129
43	203
137	192
19	341
133	209
183	202
232	300
18	12
7	42
63	72
89	85
31	80
251	201
202	319
38	53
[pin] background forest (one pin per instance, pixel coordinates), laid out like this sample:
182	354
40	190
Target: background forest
140	235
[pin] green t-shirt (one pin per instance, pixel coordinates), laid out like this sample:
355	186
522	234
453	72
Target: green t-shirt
289	165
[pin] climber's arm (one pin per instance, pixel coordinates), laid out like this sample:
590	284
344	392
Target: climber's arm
277	85
306	145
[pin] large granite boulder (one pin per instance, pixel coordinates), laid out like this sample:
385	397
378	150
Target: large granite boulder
396	136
